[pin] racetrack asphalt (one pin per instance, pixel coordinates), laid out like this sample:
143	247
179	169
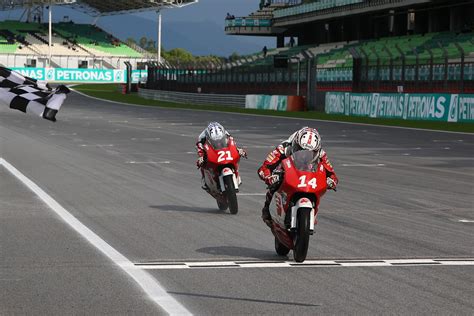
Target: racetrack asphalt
128	173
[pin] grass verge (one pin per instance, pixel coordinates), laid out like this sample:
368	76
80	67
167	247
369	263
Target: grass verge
111	92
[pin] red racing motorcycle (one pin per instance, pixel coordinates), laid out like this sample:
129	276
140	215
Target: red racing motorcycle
295	204
221	173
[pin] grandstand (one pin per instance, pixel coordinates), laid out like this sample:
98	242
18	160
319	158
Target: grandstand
27	43
348	45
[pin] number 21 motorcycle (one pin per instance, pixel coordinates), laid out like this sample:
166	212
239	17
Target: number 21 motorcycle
295	204
221	173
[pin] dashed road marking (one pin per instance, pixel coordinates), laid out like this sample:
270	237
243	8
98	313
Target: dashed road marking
148	162
363	165
97	145
148	284
149	139
466	221
338	263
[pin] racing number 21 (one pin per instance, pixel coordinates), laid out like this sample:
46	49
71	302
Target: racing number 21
304	184
224	155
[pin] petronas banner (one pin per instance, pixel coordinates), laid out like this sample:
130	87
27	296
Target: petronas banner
407	106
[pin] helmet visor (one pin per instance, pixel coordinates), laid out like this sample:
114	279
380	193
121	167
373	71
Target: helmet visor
305	160
219	143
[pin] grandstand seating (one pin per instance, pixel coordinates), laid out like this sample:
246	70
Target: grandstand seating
68	39
335	62
312	7
95	40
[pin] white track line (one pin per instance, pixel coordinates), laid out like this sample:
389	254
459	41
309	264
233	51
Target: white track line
466	221
363	165
307	264
275	116
150	285
148	162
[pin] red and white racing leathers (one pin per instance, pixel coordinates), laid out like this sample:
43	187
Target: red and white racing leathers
276	156
274	159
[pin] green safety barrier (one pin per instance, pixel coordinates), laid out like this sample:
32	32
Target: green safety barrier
81	75
407	106
266	102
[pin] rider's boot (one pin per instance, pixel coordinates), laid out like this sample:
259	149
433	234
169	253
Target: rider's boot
266	217
204	185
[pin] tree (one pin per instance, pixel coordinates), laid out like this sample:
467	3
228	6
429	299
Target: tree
178	56
130	41
142	42
234	57
150	46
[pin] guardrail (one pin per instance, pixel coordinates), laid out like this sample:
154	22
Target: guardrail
248	22
194	98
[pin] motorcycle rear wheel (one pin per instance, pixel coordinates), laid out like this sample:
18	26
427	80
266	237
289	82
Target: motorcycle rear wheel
302	234
281	249
231	195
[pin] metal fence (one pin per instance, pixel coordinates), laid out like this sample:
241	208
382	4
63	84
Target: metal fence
194	98
305	79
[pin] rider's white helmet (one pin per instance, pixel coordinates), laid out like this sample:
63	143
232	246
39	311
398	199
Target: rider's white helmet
215	132
307	139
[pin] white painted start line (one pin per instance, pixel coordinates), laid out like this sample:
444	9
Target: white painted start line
306	264
148	284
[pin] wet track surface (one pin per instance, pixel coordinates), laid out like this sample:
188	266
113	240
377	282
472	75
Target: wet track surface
128	174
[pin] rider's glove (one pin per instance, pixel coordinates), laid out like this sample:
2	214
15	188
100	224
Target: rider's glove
271	180
242	153
331	183
200	162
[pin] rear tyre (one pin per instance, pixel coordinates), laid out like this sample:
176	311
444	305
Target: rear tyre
231	195
302	235
222	205
281	249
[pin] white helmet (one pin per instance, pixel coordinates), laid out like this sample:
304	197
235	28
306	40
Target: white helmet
307	139
216	134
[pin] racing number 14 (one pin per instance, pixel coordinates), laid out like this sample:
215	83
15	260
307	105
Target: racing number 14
304	184
222	155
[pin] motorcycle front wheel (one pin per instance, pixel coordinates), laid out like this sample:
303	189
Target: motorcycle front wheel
231	195
222	205
302	234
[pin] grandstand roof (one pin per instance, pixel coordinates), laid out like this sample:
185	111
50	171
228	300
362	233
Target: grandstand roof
99	7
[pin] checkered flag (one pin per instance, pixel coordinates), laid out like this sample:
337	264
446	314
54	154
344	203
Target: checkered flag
29	95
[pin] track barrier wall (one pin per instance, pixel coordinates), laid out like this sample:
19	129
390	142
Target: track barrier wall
407	106
274	102
82	75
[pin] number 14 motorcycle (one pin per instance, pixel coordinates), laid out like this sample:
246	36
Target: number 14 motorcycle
295	204
221	173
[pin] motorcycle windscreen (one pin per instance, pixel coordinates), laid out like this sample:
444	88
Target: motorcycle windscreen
219	143
305	160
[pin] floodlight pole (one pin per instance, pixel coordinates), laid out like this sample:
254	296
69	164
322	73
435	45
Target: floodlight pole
50	33
167	4
159	36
